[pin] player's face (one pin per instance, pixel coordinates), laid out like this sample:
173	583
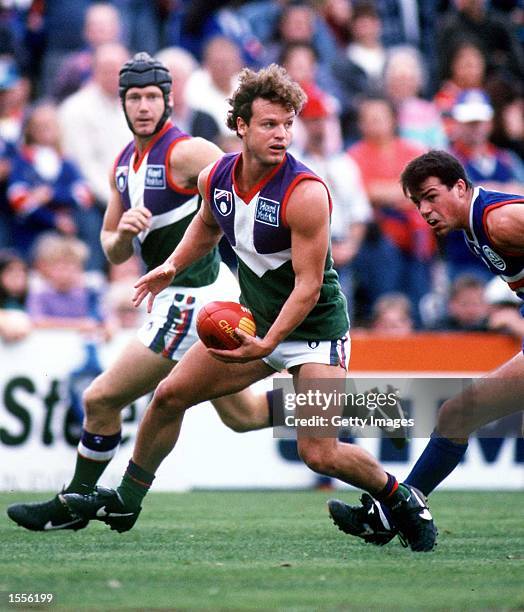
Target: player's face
442	208
144	108
269	133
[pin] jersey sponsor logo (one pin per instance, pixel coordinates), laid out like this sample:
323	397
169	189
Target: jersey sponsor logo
155	177
495	259
267	212
121	177
223	200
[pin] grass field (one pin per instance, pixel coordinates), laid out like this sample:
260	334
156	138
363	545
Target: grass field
270	550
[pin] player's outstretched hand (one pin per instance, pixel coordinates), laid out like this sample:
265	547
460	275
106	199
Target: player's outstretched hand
250	349
153	283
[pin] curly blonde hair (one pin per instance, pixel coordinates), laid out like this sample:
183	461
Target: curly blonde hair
272	83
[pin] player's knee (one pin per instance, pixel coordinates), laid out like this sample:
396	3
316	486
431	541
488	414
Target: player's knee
319	457
167	402
97	401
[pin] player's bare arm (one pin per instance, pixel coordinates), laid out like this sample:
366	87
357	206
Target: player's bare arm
309	245
189	157
201	236
121	226
505	226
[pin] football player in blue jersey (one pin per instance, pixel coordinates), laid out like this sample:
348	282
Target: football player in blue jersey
493	227
154	197
275	212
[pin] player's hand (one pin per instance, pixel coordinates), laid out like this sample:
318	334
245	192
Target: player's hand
153	283
134	221
250	349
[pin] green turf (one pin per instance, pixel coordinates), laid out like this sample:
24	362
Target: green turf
270	550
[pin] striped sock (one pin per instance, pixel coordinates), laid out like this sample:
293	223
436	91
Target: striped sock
135	485
95	451
389	489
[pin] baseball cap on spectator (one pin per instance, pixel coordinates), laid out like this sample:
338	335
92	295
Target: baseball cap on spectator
9	75
472	105
316	107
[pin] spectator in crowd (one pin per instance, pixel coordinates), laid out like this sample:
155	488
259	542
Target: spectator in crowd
270	25
492	32
351	208
508	118
45	190
94	131
15	324
337	14
418	119
301	62
118	300
192	24
7	152
392	315
14	95
484	163
181	65
359	70
503	308
297	24
14	278
142	23
62	22
465	69
411	23
210	87
399	246
467	310
64	296
101	26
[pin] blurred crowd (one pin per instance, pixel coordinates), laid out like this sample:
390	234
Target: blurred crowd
386	80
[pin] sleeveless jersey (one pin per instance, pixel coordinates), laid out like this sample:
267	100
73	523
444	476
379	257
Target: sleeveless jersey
261	240
147	182
509	266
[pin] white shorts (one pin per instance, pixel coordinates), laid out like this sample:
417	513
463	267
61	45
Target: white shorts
297	352
170	329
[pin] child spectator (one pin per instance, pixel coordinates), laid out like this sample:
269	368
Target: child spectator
64	296
392	315
14	322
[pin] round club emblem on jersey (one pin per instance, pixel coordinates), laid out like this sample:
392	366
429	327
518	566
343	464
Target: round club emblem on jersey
495	259
223	201
121	178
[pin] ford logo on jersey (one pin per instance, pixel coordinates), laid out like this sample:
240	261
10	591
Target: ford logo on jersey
267	211
495	259
121	178
223	201
155	177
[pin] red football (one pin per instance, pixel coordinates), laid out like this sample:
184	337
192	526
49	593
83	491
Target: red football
217	321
